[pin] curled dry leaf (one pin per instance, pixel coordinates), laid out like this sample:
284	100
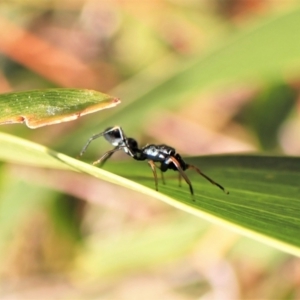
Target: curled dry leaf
39	108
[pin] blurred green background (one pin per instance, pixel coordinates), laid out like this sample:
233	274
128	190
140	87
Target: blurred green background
224	70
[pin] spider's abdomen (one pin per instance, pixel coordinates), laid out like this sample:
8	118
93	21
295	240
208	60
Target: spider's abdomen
153	152
158	153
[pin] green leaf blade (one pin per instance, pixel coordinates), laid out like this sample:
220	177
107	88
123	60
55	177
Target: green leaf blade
264	199
46	107
263	203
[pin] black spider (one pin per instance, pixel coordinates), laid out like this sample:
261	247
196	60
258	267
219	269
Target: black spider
163	154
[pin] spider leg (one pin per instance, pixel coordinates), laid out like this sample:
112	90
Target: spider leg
153	167
106	156
181	172
95	136
207	178
179	179
162	177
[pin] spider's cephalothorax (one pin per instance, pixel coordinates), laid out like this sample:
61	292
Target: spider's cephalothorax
163	154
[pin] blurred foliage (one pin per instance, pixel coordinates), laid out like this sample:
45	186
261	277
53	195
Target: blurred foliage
182	69
268	110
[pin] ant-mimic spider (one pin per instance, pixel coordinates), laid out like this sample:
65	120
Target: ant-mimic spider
163	154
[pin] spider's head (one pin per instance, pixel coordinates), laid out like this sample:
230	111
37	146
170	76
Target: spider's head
114	135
